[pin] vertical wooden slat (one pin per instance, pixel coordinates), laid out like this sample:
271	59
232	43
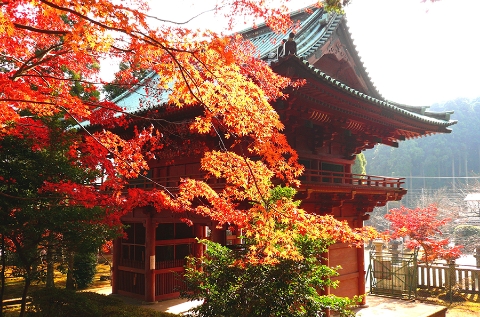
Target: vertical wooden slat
467	279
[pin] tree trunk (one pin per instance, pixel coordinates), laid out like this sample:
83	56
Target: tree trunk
70	280
50	283
4	266
427	265
25	292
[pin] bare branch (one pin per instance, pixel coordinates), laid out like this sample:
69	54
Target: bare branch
179	23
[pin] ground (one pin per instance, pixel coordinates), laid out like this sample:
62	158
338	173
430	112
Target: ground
469	306
460	312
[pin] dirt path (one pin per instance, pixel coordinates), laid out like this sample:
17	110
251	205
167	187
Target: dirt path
462	312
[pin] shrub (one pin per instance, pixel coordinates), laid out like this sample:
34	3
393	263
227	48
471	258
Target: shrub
468	236
84	269
62	302
53	302
287	289
278	271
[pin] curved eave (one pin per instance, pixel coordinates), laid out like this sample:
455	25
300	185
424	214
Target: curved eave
136	100
436	119
359	61
315	30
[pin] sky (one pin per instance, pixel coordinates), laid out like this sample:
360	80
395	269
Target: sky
419	53
415	53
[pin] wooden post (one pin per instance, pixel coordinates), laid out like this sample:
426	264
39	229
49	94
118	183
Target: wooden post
218	235
361	274
199	232
117	245
477	256
149	260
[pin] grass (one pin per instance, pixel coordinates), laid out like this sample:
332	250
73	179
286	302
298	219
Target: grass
14	285
14	289
461	305
469	307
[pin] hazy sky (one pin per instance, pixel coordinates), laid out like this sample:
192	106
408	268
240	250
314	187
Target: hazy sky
416	53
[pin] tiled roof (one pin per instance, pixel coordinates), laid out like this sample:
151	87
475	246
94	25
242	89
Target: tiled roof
311	33
134	100
419	113
314	31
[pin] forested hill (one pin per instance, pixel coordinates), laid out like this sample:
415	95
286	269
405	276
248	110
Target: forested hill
435	161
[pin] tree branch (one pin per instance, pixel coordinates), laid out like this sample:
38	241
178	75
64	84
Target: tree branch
179	23
41	59
31	28
113	154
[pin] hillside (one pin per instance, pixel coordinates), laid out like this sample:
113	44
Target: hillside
438	161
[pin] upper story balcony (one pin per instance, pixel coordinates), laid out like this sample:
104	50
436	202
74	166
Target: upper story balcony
310	179
322	190
320	177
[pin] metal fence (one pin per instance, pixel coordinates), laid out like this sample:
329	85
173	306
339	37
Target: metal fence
393	274
397	274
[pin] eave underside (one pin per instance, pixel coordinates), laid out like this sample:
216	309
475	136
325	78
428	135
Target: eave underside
329	103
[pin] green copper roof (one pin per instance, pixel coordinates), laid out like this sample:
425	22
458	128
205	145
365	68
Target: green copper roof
315	30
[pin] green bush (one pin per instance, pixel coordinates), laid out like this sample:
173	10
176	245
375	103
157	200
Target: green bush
232	285
287	289
53	302
84	269
468	236
61	303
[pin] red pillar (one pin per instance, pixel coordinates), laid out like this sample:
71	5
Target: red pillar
149	260
361	262
326	290
199	231
117	244
361	273
218	235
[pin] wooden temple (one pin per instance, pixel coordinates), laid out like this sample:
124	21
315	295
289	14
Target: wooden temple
337	114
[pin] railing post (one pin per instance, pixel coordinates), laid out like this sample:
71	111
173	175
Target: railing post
149	268
477	256
450	279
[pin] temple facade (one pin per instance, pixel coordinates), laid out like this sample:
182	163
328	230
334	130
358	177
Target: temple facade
336	115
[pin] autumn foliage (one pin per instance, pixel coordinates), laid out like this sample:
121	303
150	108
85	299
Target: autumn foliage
423	230
49	47
50	52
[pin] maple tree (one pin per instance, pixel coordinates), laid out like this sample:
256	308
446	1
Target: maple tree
50	53
291	274
50	49
423	229
36	219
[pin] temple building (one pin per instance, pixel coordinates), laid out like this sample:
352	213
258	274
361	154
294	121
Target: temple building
336	115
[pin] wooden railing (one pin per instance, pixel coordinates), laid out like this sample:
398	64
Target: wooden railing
309	177
319	176
132	263
169	282
173	181
465	279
